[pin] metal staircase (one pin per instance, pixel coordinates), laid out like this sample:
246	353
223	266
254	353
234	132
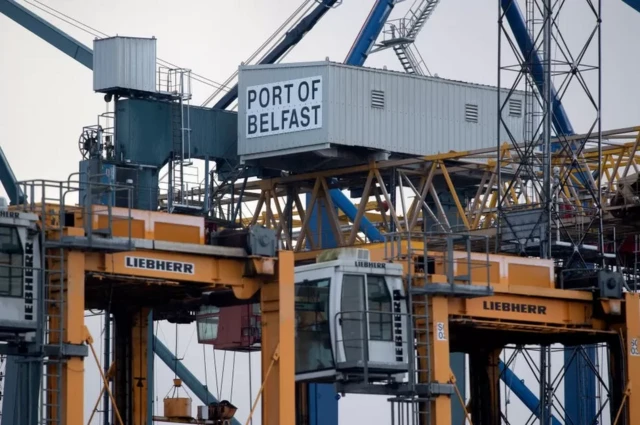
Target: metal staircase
420	11
401	34
410	59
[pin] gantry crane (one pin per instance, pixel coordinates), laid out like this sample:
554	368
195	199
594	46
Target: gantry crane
387	8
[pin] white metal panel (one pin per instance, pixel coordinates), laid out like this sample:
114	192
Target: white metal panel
126	63
382	110
272	145
421	115
19	310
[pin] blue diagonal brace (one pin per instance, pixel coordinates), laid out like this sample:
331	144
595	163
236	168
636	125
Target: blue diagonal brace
9	181
522	392
189	379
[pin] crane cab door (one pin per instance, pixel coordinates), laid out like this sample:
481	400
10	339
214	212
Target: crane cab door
370	316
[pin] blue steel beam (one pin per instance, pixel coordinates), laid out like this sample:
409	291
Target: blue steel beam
9	181
369	32
343	203
635	4
522	392
183	373
47	32
292	38
57	39
20	402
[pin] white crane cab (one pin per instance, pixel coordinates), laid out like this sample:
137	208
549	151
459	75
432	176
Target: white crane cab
20	268
351	318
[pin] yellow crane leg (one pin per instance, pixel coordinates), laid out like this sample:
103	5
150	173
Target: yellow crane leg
278	343
440	367
140	381
71	395
632	337
131	380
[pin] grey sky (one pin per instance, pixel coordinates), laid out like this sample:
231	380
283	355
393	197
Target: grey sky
48	98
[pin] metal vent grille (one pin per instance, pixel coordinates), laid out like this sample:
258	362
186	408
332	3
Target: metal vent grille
515	107
363	254
471	113
377	99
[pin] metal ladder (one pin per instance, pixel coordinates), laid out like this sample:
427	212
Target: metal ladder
53	332
181	131
529	111
414	408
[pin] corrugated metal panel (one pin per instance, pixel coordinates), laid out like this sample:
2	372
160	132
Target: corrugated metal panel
383	110
124	63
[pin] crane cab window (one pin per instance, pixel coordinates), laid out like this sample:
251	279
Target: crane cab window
353	311
377	309
380	320
313	338
207	321
11	263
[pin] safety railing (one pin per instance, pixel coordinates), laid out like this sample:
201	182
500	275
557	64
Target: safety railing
378	346
175	82
87	203
192	194
460	258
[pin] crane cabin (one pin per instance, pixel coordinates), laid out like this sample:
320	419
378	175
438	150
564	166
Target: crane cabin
351	318
20	269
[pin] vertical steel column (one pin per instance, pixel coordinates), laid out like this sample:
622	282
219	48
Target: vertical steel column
150	367
546	396
631	354
581	407
20	400
106	400
576	380
278	345
440	412
205	203
139	385
72	391
547	114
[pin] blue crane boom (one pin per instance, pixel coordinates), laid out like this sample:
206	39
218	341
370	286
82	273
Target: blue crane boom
518	26
59	40
370	32
9	181
49	33
293	37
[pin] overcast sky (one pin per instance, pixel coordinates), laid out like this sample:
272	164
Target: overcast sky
48	98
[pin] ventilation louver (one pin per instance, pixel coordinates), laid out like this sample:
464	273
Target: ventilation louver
377	99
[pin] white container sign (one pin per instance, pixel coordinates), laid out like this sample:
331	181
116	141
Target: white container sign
283	107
